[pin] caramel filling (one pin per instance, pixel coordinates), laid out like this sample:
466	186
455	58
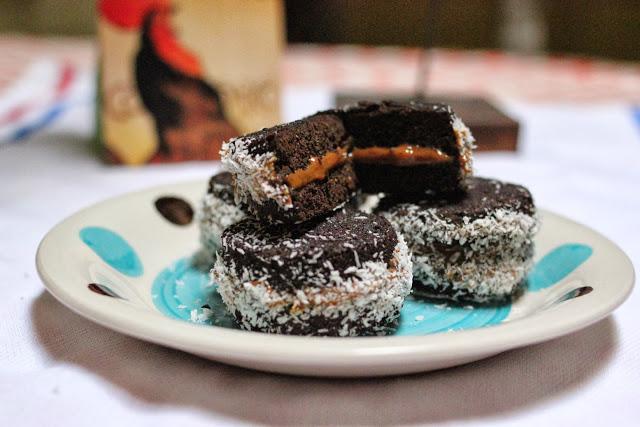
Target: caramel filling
317	169
401	155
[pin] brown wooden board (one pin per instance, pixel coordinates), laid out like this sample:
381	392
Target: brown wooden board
493	129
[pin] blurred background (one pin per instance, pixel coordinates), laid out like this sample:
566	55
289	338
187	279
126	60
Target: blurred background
584	27
169	80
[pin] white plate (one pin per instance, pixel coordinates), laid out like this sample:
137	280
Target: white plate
138	262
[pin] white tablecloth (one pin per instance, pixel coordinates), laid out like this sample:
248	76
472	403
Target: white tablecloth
57	368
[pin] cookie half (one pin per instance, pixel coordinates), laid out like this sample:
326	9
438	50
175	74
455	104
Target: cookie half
293	172
408	148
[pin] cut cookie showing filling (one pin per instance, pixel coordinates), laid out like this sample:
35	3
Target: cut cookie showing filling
292	172
408	148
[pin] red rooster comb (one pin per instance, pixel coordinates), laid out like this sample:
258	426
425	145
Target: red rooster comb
130	14
169	48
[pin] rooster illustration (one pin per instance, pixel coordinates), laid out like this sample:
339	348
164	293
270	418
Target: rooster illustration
187	111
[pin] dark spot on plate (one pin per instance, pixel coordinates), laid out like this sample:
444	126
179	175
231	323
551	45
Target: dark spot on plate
175	210
103	290
581	291
575	293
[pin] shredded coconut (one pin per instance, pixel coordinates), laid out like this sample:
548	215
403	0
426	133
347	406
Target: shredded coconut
254	174
466	144
370	297
213	217
495	251
201	315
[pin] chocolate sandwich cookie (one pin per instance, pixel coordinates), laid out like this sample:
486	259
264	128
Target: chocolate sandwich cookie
474	247
293	172
345	275
408	148
218	211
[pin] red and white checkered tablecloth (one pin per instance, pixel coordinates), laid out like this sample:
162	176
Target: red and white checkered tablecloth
491	73
18	53
40	77
494	73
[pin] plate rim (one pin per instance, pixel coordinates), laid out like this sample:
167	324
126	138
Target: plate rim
250	347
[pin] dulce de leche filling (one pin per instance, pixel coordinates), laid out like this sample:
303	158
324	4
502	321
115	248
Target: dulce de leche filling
401	155
317	169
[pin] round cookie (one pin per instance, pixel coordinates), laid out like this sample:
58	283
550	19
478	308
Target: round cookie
475	246
346	275
217	211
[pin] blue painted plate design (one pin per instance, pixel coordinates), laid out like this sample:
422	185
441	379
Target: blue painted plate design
183	289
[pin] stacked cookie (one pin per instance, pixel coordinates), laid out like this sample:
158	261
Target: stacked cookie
295	257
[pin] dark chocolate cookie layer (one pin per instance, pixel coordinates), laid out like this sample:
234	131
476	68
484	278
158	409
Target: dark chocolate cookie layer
482	197
416	125
294	256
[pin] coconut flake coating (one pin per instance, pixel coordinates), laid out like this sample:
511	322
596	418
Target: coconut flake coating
474	247
366	301
475	279
218	211
347	275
